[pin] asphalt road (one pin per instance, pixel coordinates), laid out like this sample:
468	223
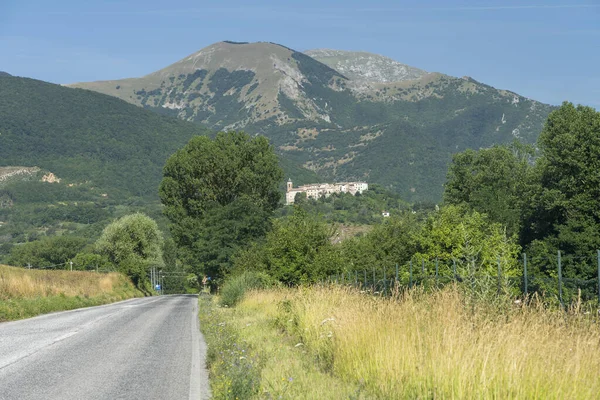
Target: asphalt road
148	348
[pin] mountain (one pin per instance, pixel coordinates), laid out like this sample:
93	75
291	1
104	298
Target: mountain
2	74
72	159
344	115
366	67
82	136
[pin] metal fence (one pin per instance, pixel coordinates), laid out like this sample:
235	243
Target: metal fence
565	277
68	266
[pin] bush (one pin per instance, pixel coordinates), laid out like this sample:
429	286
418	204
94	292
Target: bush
235	287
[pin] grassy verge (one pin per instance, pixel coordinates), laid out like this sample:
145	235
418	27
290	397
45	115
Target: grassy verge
27	293
251	357
338	343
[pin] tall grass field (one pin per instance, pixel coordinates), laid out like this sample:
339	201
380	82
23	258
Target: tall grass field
417	345
25	293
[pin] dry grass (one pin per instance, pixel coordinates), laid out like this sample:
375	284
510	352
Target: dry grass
25	293
16	283
438	346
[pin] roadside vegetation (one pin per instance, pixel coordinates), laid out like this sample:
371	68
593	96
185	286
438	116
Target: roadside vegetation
475	333
26	293
251	356
336	342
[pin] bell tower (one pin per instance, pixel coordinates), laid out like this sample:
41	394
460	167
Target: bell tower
289	184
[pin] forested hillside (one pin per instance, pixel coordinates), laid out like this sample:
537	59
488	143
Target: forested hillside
359	125
73	159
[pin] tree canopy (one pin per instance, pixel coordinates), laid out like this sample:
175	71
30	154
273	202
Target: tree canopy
218	195
132	243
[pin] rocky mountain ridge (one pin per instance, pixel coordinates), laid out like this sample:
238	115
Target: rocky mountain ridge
353	123
366	67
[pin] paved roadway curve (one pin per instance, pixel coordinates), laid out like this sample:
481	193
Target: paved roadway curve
148	348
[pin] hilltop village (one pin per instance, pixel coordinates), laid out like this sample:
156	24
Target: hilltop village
317	190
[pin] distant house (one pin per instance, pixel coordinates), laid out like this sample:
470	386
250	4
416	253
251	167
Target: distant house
385	213
317	190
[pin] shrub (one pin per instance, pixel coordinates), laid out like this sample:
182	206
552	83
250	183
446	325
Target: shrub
234	288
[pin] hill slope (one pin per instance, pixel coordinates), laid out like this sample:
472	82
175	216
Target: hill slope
85	136
72	159
350	124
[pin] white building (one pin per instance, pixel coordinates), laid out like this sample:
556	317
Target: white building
316	190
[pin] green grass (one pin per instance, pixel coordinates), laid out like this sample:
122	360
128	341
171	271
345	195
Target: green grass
275	364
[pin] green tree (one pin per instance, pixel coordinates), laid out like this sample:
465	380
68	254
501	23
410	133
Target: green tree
132	243
496	181
471	239
566	209
218	195
298	250
393	241
50	252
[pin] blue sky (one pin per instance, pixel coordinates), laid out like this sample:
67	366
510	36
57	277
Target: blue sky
548	50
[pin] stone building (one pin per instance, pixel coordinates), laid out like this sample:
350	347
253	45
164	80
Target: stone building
316	190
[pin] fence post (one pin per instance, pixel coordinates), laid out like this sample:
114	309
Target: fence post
384	287
499	276
355	278
365	271
560	280
437	277
525	273
410	276
598	276
374	284
454	268
397	272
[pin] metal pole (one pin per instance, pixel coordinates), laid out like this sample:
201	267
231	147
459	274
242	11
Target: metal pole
410	276
374	280
499	276
437	267
560	279
454	268
384	287
397	274
365	271
525	273
355	278
598	276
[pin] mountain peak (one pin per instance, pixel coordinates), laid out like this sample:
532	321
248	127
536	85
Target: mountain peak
2	73
230	55
366	67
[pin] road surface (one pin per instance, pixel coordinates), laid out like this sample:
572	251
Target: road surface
148	348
